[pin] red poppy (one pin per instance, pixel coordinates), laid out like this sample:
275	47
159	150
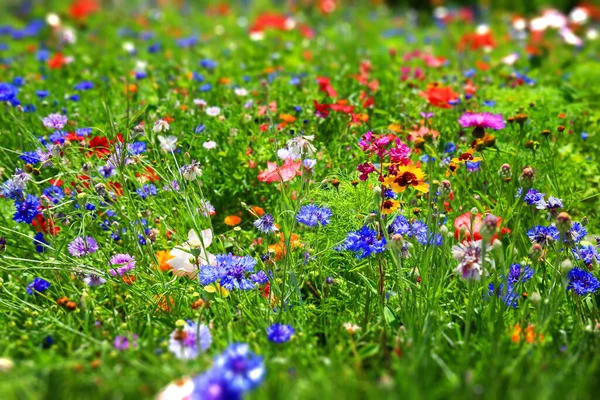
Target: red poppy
45	225
477	40
467	227
57	61
322	110
80	9
98	146
149	176
439	96
325	86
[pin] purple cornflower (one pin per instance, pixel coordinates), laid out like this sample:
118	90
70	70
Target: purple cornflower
311	215
80	246
364	242
123	343
93	280
535	198
582	282
191	340
206	208
266	224
106	171
125	263
280	333
544	235
471	259
232	271
587	254
38	285
55	121
146	190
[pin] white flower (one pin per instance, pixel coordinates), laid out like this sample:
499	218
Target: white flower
161	126
178	390
213	111
241	92
68	36
191	171
183	262
128	47
140	66
301	145
167	144
283	154
200	102
209	145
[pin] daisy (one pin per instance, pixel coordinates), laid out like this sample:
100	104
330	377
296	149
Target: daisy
209	145
213	111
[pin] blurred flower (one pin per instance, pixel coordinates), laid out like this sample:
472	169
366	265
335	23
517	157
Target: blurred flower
280	333
189	341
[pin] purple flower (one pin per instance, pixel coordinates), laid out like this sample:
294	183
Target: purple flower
481	120
123	343
265	224
125	263
55	121
38	285
80	246
93	280
190	341
280	333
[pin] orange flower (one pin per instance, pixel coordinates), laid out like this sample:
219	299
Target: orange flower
164	303
278	250
529	334
163	256
257	210
232	220
129	279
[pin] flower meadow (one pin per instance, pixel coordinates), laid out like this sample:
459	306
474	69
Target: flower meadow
299	200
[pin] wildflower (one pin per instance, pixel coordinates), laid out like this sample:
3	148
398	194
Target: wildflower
280	333
39	242
232	220
240	368
311	215
465	157
213	111
183	262
161	126
93	280
364	242
107	171
231	271
191	171
529	334
167	144
80	246
209	145
588	254
481	121
582	282
351	328
123	343
543	235
563	222
163	257
146	190
533	197
407	176
507	290
124	263
55	121
389	206
471	259
26	209
8	92
439	96
285	173
190	340
266	224
38	285
206	208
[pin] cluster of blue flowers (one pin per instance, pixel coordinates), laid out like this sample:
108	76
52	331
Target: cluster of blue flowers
535	198
233	272
235	372
364	242
417	229
582	282
508	290
312	215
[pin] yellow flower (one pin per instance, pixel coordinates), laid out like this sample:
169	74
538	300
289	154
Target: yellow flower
466	156
407	175
389	206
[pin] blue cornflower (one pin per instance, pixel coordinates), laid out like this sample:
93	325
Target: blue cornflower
240	368
208	64
83	131
390	194
30	157
364	242
575	234
39	242
206	87
311	215
54	194
232	271
280	333
508	290
85	85
42	93
58	136
137	147
7	91
29	108
587	254
554	203
26	209
146	190
489	103
400	226
260	278
420	231
582	282
200	128
13	188
154	48
544	235
535	198
449	147
38	285
266	224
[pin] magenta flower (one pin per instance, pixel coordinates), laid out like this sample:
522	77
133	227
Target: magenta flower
81	246
481	121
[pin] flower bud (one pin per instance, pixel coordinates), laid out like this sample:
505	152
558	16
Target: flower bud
566	265
563	222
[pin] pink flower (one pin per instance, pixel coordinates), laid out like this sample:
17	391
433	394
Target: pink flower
481	120
285	173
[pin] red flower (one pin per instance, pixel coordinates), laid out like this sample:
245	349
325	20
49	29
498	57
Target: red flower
99	146
465	230
325	86
45	225
439	96
57	61
322	110
80	9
